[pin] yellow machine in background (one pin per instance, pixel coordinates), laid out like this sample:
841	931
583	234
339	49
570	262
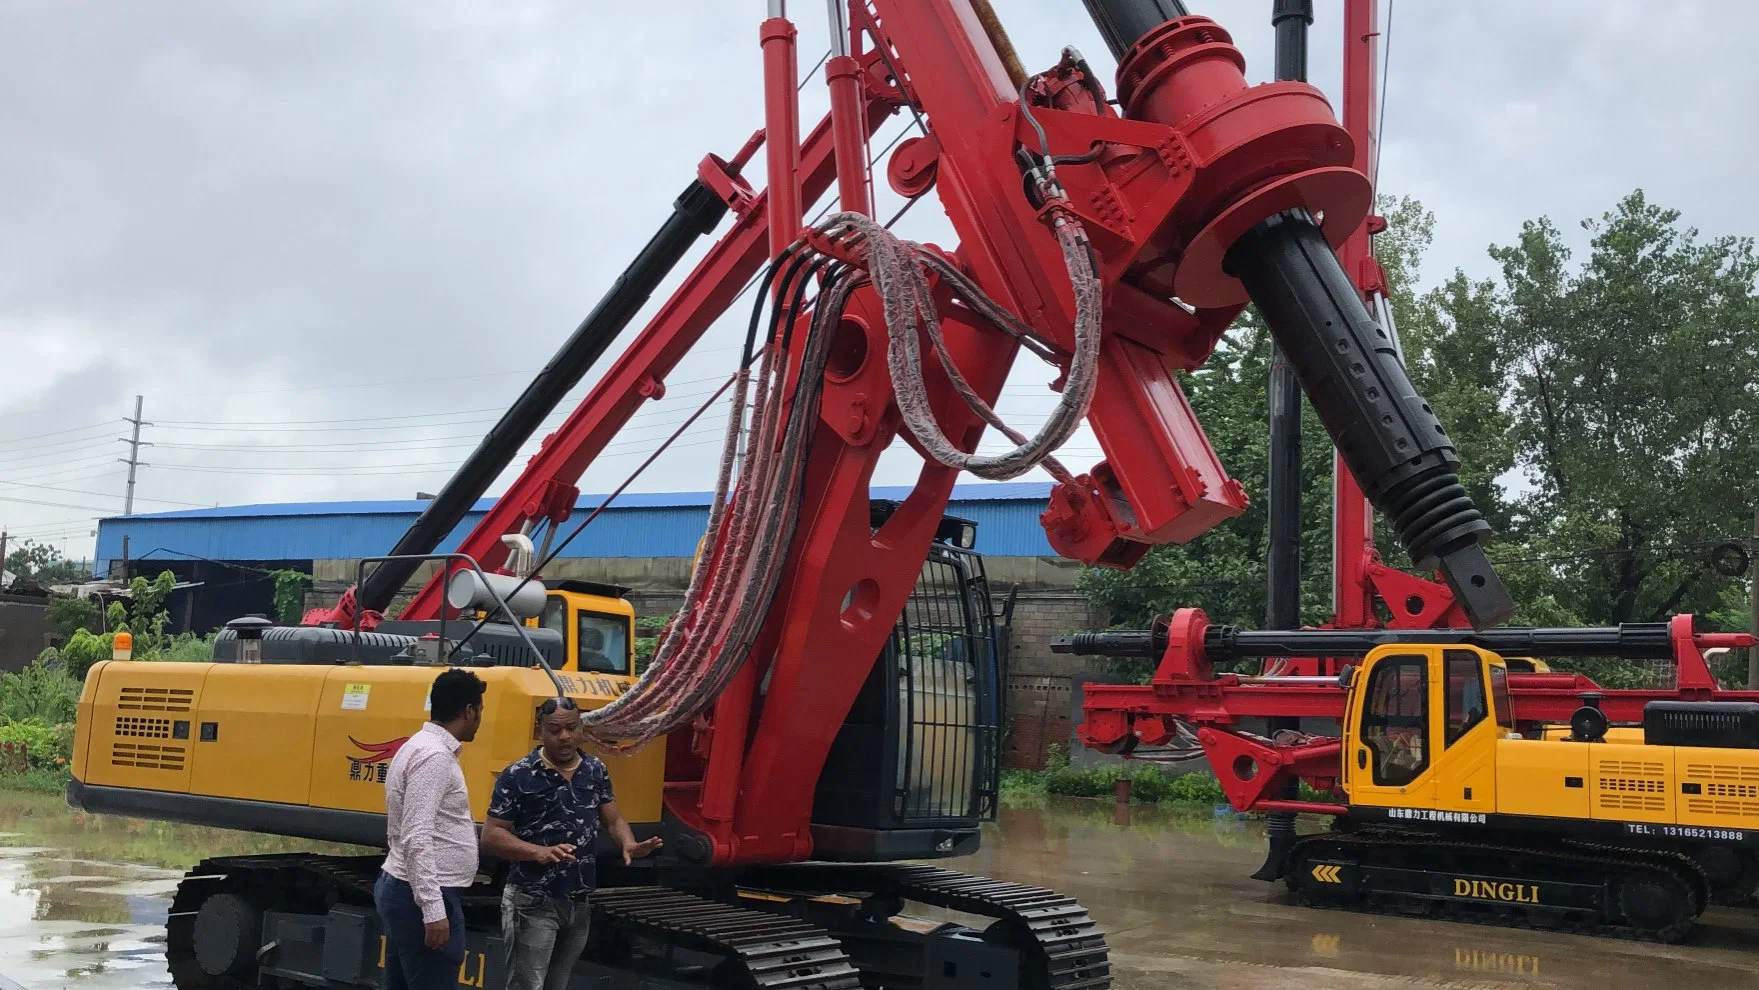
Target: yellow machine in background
1625	830
302	748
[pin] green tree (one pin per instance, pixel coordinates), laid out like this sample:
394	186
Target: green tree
1628	388
69	614
43	564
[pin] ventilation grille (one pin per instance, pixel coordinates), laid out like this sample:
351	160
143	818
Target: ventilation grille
155	699
1626	784
1632	768
147	756
1730	809
1721	772
1631	802
143	728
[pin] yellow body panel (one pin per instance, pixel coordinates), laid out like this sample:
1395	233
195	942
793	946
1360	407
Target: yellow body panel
1532	778
267	701
141	729
1616	734
1727	782
316	734
1629	781
1464	769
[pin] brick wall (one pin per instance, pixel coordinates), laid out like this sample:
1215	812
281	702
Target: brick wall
1037	695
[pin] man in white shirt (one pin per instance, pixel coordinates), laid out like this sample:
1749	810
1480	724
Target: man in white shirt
432	841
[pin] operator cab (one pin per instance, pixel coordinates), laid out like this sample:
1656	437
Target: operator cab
1419	714
596	622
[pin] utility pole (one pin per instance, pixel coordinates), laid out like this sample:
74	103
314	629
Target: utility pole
133	459
1753	606
2	554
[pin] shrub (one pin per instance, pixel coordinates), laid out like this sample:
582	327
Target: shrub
70	614
84	649
44	743
184	647
42	692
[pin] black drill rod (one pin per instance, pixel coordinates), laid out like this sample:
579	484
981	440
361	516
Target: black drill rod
1122	22
1629	641
1283	490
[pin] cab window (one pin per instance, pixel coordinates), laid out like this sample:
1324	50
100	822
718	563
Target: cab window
1395	713
603	643
1499	692
555	616
1465	693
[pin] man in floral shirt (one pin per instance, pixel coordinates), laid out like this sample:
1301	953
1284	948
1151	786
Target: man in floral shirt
543	818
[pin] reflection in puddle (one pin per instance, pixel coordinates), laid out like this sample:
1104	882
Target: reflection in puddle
83	898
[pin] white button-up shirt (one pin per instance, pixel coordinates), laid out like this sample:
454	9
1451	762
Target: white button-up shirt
427	819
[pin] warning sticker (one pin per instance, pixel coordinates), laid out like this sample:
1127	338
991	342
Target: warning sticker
354	697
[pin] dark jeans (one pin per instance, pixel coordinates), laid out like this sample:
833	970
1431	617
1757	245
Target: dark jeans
409	963
544	937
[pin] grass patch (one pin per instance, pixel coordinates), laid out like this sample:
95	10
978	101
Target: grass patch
36	780
1149	784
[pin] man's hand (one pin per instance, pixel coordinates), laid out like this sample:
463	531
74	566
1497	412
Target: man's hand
436	934
638	850
551	855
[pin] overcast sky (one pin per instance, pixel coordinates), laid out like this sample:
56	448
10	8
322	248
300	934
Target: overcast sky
329	241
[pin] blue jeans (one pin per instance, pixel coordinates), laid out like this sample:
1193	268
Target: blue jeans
543	938
409	963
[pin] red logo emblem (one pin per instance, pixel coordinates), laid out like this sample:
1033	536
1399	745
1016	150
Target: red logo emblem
374	753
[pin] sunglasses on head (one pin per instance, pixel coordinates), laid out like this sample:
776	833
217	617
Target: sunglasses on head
554	705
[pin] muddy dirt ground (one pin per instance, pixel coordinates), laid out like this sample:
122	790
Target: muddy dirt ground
83	902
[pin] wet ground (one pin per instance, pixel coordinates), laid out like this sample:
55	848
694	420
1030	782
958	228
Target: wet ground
83	901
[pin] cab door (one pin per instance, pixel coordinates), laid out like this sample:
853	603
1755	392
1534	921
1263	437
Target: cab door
556	615
1463	736
1388	738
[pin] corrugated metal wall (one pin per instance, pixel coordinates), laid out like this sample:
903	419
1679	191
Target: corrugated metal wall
654	525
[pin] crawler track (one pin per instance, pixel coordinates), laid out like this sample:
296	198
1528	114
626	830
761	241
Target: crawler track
1605	891
770	952
1061	946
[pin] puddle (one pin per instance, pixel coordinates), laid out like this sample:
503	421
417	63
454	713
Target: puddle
83	898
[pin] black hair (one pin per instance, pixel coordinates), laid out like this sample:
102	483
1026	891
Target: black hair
455	690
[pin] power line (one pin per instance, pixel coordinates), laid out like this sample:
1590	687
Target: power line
59	505
55	433
394	381
1386	64
104	432
83	491
53	451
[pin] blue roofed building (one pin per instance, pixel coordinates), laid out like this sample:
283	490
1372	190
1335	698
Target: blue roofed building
642	540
